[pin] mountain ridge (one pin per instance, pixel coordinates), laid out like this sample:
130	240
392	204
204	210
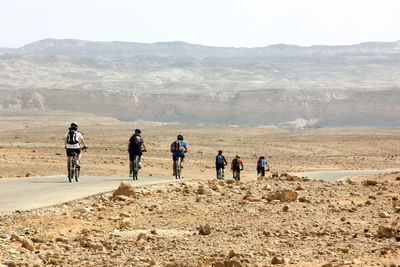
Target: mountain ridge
116	50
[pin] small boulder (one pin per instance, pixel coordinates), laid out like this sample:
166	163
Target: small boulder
387	232
369	182
28	244
125	189
201	190
285	208
204	229
384	214
286	195
276	260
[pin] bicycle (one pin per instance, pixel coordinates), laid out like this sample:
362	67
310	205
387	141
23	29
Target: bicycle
236	174
136	167
73	169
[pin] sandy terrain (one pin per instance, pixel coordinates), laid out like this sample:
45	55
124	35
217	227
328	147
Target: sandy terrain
204	222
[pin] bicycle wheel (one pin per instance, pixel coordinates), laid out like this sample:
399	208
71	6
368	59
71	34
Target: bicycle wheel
77	173
178	168
70	170
135	168
235	175
220	174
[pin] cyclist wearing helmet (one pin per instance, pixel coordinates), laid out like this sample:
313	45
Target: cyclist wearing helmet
261	163
237	165
220	161
178	149
71	142
136	146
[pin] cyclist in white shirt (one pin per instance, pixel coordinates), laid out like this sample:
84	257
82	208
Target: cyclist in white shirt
71	142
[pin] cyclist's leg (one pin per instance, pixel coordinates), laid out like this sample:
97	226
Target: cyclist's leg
68	158
173	165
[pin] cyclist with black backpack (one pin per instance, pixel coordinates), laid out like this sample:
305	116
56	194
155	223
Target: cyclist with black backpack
71	142
178	149
136	146
220	163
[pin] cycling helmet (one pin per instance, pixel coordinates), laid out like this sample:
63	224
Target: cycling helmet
74	124
262	157
179	137
238	156
219	151
138	131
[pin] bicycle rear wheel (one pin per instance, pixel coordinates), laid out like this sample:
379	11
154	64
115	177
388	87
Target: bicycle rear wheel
77	173
178	168
70	170
221	174
135	168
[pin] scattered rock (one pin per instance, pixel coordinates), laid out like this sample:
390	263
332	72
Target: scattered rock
125	189
125	223
305	200
28	244
370	182
387	232
204	229
201	190
299	187
142	236
283	195
276	260
29	174
384	214
285	208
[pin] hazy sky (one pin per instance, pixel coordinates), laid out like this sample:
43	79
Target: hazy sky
248	23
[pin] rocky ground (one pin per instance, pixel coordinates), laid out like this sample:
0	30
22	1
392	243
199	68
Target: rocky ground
282	220
279	220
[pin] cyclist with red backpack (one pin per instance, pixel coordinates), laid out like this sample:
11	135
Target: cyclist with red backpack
261	163
178	149
236	167
71	143
220	162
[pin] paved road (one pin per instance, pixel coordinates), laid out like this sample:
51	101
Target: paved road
38	192
338	175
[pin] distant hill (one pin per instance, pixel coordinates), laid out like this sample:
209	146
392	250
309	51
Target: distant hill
284	85
123	50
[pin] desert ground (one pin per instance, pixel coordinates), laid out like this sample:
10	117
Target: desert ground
280	219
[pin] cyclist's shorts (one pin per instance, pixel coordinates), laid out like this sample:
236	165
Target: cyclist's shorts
133	154
180	156
70	150
236	168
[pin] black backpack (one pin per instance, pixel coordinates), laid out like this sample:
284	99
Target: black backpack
71	137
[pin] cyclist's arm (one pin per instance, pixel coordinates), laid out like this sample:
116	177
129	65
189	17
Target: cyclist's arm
129	145
267	166
83	141
144	146
241	164
65	141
